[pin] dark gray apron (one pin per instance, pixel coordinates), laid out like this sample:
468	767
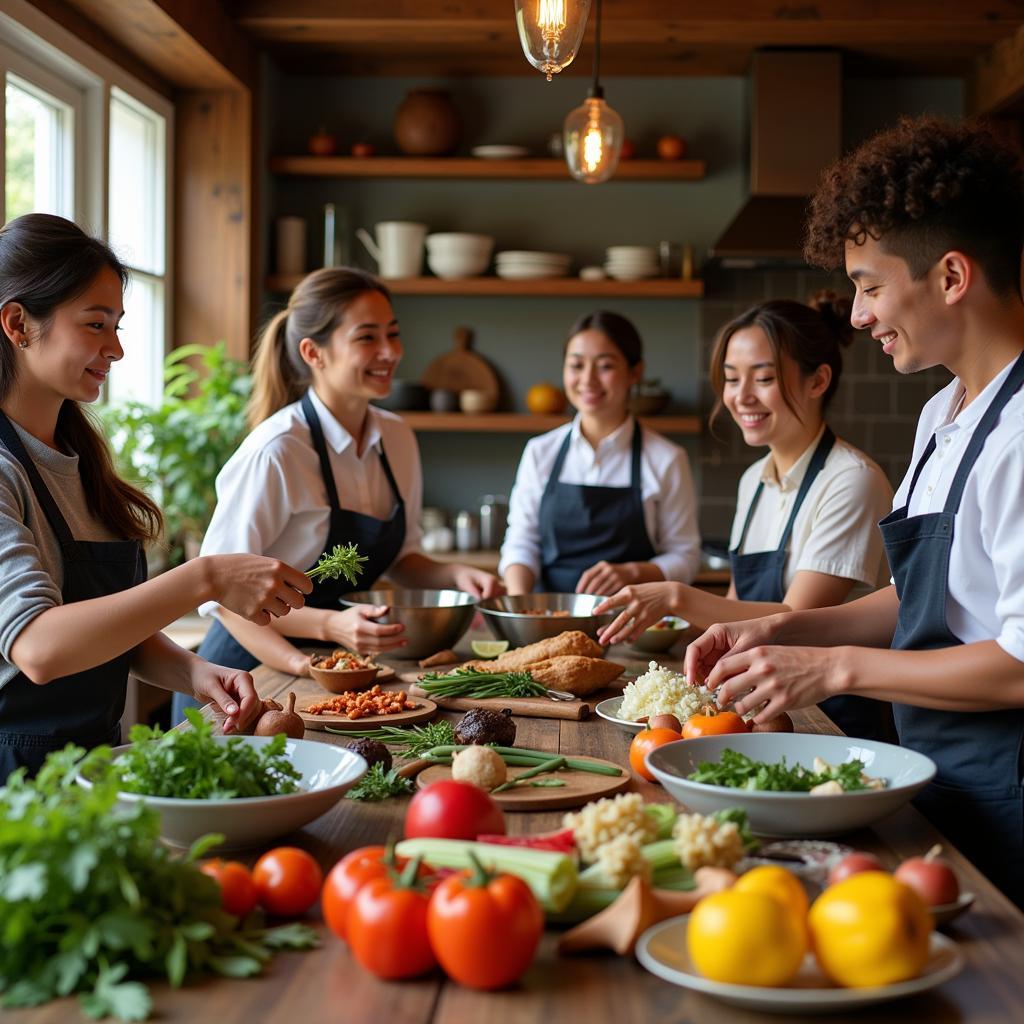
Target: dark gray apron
976	798
760	576
581	525
379	540
86	707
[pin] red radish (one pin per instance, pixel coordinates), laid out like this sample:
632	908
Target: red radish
852	864
930	877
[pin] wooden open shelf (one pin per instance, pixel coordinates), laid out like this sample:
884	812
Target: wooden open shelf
651	288
527	423
472	167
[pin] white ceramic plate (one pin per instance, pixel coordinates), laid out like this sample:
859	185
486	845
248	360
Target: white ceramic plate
499	152
530	273
662	950
609	711
327	773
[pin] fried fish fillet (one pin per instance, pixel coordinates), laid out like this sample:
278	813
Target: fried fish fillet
572	641
578	675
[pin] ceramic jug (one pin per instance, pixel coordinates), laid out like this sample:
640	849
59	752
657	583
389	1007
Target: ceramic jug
398	248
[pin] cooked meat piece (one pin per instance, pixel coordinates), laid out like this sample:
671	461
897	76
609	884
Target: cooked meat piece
576	674
445	657
572	641
484	725
372	751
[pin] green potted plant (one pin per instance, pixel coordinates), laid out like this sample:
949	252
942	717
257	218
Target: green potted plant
175	450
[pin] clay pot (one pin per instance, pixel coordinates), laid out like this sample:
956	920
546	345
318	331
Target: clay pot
427	123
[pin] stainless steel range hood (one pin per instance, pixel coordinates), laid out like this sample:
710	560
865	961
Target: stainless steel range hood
795	103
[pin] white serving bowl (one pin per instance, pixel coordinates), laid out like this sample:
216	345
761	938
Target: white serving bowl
328	772
455	254
794	814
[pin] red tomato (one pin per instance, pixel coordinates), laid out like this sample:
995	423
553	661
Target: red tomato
671	147
645	741
712	722
362	149
237	889
287	881
931	877
345	879
386	927
452	810
485	931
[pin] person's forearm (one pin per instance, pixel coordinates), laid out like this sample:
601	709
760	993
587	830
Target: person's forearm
159	661
519	579
647	572
86	638
867	622
702	609
966	677
267	645
307	623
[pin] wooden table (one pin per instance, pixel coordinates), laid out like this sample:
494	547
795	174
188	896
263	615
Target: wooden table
326	985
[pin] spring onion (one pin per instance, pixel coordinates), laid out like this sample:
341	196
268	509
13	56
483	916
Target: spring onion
551	876
470	683
543	768
521	756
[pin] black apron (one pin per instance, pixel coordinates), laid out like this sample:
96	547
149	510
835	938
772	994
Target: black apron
581	525
760	576
976	798
84	708
379	540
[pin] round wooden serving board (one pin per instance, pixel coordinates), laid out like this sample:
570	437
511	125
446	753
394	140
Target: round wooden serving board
579	789
427	709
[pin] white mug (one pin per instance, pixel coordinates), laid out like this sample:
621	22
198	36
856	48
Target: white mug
398	249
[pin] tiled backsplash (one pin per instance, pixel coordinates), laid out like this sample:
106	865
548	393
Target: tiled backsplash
875	408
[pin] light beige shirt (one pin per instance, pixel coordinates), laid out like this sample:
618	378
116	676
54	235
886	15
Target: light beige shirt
836	530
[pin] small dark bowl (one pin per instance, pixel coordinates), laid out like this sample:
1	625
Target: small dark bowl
405	395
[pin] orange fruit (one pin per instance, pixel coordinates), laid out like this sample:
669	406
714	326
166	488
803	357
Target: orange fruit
781	885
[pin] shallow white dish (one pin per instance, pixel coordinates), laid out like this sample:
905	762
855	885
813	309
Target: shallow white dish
497	152
794	815
609	710
662	950
532	254
530	273
629	275
328	772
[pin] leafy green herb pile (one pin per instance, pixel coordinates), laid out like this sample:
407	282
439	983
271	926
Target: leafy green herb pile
191	765
378	784
742	772
91	901
342	561
467	682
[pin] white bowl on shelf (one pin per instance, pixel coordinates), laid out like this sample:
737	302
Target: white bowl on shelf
456	254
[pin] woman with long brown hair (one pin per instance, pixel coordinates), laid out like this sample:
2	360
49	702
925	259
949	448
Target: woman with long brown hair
76	611
322	466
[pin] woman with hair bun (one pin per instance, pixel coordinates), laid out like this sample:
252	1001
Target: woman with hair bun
805	533
602	501
321	467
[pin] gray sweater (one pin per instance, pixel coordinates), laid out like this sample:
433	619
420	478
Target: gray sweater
31	567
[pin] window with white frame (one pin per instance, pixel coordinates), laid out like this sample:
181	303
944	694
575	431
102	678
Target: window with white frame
82	139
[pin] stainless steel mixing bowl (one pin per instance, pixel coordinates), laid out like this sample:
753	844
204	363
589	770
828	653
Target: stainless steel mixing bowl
507	618
433	619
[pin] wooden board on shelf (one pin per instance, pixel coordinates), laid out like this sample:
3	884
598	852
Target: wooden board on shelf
533	168
461	368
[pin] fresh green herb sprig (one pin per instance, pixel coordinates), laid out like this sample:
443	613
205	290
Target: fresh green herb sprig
467	682
378	784
189	764
412	741
742	772
344	560
91	901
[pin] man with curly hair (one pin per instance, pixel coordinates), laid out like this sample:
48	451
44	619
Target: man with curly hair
928	218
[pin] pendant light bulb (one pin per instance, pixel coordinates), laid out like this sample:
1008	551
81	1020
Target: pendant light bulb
593	134
551	31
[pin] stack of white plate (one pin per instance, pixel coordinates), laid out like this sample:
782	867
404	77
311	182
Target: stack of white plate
523	265
631	262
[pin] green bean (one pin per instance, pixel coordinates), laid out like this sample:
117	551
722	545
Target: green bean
543	768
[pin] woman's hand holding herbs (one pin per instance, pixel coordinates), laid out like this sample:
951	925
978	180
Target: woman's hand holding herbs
255	587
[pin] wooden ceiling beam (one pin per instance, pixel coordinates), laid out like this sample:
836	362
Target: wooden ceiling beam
998	80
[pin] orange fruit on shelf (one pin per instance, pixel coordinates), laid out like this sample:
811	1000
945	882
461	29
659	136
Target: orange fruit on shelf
545	399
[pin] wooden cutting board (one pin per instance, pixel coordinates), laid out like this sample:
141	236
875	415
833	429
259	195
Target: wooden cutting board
462	368
579	789
308	692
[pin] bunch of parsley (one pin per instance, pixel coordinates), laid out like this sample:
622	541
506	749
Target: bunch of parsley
191	765
91	901
743	772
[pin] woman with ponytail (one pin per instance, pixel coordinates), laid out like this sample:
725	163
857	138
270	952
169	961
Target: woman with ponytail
805	533
76	611
322	466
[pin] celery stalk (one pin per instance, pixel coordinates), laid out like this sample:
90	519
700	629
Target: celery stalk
550	875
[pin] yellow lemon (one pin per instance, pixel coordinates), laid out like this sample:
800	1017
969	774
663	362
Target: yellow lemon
870	930
783	885
745	938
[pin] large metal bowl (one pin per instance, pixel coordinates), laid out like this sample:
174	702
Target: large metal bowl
507	619
433	619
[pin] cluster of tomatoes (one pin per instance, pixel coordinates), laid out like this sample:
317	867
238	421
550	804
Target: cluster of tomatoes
664	729
285	882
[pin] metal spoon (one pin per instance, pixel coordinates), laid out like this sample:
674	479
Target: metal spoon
560	695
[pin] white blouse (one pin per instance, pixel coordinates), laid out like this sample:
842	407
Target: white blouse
985	587
670	508
836	530
271	498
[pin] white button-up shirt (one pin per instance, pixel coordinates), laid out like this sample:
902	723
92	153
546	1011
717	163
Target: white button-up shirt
985	589
271	498
670	511
836	530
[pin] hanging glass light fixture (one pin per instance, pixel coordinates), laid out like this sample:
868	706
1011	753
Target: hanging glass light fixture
551	31
593	133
